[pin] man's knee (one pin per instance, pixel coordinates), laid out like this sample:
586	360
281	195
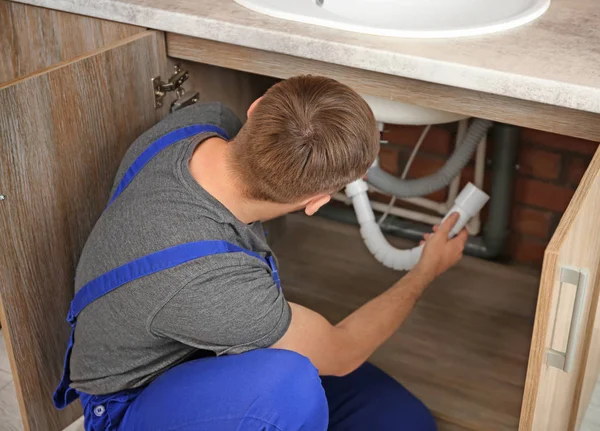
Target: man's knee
294	375
293	387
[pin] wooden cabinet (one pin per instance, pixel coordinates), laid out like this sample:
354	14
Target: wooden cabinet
465	348
34	38
63	132
565	349
71	104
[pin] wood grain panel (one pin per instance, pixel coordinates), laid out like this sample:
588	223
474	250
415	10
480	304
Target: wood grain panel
468	102
553	399
234	88
62	136
463	349
33	38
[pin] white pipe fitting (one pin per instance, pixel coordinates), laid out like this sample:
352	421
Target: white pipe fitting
468	203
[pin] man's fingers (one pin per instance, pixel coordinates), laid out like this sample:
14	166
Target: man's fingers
436	227
462	237
448	224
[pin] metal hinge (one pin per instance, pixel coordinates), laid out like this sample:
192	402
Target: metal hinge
175	83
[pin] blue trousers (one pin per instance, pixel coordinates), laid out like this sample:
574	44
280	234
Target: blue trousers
262	390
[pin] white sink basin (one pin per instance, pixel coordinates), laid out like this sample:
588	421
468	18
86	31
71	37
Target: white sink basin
394	112
406	18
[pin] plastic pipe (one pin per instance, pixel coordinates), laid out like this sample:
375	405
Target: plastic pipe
474	226
397	211
504	158
495	231
468	203
423	186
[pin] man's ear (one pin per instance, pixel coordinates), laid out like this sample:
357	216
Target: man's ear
251	108
315	203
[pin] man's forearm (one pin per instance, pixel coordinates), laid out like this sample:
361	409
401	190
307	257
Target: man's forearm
372	324
340	349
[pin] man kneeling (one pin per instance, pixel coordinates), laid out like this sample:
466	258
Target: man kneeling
182	323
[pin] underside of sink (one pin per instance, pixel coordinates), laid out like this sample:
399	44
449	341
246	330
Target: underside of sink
406	18
394	112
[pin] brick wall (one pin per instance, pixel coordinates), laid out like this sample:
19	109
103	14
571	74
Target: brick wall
548	171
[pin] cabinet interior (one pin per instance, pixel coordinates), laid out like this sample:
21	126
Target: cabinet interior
463	349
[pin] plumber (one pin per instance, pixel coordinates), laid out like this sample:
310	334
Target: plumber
180	321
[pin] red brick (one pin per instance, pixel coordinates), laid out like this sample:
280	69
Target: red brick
531	222
388	159
527	250
439	196
468	176
543	195
380	197
539	163
424	165
560	142
575	169
439	140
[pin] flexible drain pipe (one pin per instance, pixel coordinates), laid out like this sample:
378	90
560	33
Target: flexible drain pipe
491	243
400	188
468	203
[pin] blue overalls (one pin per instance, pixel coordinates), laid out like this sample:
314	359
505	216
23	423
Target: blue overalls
264	389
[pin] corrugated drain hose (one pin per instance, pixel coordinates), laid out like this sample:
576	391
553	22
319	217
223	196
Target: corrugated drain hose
402	188
468	203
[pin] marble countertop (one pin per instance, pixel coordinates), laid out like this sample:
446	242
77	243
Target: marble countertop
553	60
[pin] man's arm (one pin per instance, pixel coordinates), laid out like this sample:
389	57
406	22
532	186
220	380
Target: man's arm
340	349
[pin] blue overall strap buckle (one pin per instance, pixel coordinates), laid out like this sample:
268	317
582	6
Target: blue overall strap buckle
64	394
159	145
138	268
274	272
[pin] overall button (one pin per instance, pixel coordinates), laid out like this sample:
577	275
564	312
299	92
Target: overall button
99	410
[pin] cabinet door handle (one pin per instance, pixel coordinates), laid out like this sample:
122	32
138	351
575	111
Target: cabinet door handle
565	360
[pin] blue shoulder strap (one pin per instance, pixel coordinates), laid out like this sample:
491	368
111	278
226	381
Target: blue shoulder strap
159	145
152	263
145	265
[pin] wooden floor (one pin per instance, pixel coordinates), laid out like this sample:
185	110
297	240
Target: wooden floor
464	348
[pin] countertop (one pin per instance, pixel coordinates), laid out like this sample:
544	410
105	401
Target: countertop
553	60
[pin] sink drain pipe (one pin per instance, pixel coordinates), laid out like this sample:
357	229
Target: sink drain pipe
491	243
403	188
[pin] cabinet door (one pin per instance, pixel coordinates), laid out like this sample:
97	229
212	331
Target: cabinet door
63	132
33	38
564	351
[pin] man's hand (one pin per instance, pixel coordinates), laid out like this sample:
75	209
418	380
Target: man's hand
440	252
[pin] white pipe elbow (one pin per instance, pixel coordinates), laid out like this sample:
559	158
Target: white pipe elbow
384	252
468	203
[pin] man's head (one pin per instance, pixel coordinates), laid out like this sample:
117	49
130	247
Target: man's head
305	139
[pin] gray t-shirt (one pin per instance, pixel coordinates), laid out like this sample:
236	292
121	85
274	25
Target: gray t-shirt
215	305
